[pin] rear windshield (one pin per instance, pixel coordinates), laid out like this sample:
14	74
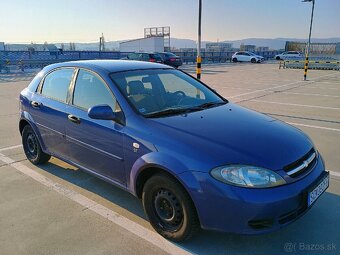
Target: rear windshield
170	54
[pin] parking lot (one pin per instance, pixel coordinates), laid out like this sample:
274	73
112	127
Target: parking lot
59	209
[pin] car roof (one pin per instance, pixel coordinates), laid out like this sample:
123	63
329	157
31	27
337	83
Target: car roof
112	65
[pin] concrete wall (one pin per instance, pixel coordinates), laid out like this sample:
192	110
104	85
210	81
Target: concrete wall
150	44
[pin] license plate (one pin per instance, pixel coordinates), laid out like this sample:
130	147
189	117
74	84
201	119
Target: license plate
318	190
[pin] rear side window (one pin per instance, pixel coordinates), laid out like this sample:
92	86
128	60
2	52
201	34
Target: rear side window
90	90
56	84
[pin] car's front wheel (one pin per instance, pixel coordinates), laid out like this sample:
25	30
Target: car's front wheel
32	147
169	208
278	58
234	60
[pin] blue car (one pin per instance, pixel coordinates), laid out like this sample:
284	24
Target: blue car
195	159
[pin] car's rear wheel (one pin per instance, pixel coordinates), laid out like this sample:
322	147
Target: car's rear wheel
253	60
169	208
32	147
278	58
234	60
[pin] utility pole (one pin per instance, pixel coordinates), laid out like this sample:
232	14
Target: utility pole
101	43
309	40
199	59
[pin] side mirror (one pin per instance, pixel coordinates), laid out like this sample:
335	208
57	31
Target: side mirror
104	112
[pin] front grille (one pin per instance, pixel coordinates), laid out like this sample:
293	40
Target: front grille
302	165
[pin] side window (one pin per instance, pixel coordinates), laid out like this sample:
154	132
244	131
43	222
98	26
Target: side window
90	91
144	57
56	84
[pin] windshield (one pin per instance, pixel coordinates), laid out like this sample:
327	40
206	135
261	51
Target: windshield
160	92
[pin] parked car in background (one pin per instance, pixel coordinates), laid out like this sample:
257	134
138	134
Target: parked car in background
246	56
145	56
195	159
171	59
288	54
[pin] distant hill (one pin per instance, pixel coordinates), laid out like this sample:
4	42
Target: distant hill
275	44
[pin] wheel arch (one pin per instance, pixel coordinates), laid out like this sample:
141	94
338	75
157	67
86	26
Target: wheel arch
152	170
22	124
27	120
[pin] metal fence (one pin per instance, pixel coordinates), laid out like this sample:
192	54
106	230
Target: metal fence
39	59
207	57
319	63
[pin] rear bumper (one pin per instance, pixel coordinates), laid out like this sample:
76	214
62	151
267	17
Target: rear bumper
234	209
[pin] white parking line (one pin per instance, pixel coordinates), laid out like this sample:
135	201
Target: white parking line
334	173
317	87
302	105
309	94
311	126
284	85
11	147
118	219
266	89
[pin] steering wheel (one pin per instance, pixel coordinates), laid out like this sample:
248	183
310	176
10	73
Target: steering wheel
180	94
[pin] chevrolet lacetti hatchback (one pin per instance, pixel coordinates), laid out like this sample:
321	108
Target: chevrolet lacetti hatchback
195	159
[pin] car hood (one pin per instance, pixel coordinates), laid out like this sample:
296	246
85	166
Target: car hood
231	134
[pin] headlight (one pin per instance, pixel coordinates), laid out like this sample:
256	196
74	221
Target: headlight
247	176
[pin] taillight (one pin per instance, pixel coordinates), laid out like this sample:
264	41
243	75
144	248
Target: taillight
152	60
172	59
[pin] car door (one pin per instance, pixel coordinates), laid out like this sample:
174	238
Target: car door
49	109
95	145
241	56
247	56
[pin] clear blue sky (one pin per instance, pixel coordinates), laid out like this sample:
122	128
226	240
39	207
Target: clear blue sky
85	20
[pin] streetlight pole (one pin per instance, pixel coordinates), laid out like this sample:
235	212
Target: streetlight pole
199	59
309	38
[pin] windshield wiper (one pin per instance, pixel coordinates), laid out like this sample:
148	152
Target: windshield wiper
173	111
210	104
167	112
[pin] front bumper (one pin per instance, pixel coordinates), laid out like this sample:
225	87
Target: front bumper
234	209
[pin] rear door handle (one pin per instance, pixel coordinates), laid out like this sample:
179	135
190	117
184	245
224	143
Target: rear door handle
73	118
35	104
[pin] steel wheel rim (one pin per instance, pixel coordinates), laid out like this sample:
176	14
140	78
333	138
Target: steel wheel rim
168	210
32	145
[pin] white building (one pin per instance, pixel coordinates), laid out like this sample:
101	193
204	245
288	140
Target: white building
150	44
218	46
2	46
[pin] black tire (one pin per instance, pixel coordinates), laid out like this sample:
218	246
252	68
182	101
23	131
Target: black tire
253	60
32	147
278	58
169	208
234	60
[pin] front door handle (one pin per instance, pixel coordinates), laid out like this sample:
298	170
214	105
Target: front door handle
35	104
73	118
